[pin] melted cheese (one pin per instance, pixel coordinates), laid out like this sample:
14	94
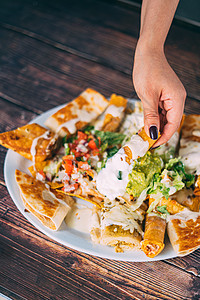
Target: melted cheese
121	216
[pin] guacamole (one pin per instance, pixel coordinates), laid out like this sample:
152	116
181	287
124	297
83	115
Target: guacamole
142	173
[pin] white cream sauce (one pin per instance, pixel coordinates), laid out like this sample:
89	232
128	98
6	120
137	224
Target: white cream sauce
108	181
115	111
132	123
79	217
196	133
185	215
190	155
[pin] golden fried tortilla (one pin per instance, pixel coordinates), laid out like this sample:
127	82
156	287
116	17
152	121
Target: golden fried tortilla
184	232
78	113
32	141
48	206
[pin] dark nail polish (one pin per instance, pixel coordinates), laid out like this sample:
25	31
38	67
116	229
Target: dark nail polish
153	148
153	132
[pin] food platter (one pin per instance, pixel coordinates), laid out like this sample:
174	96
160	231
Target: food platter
67	236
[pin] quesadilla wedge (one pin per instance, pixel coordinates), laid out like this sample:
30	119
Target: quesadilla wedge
78	113
32	141
184	232
48	206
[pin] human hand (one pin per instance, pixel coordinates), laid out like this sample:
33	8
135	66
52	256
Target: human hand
161	92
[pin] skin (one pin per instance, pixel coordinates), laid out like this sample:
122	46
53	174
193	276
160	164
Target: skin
156	84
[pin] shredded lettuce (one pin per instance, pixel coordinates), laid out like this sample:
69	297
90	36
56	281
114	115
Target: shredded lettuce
111	138
176	165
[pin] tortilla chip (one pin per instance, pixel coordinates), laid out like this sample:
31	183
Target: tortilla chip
21	140
145	137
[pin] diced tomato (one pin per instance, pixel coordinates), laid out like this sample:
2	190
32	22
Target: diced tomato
76	153
68	157
68	165
92	145
82	136
95	152
70	188
41	172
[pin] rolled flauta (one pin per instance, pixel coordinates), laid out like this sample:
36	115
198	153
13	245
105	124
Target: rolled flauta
120	227
154	234
153	242
78	113
113	115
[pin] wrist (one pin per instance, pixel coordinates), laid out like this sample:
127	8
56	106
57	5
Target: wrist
150	46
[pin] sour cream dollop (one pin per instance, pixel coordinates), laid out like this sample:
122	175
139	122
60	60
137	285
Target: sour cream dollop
113	179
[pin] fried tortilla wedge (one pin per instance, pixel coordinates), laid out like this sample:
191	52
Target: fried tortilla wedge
32	141
184	232
78	113
48	206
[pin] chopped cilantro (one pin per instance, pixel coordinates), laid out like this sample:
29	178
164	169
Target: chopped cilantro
162	209
119	175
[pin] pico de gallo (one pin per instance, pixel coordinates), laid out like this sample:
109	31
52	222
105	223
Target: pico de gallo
82	155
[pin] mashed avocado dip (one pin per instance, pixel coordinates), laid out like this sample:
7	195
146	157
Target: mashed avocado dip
142	173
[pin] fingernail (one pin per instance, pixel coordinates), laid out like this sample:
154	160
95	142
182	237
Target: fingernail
153	148
153	132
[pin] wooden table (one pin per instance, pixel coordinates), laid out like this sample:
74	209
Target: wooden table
49	52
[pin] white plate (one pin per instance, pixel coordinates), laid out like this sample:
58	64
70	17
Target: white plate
67	236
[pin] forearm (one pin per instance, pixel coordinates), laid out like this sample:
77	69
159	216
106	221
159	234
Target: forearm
156	18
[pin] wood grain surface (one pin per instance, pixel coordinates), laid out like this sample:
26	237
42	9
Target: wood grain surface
49	52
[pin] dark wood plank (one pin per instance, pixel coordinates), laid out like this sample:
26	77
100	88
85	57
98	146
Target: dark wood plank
68	273
12	116
42	79
108	37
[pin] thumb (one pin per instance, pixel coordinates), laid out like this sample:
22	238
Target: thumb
151	120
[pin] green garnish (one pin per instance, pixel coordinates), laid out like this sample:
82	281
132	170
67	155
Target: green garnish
119	175
162	209
112	151
111	138
67	149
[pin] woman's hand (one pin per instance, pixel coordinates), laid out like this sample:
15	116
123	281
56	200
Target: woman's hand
161	92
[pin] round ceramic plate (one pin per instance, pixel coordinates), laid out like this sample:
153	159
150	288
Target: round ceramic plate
69	237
